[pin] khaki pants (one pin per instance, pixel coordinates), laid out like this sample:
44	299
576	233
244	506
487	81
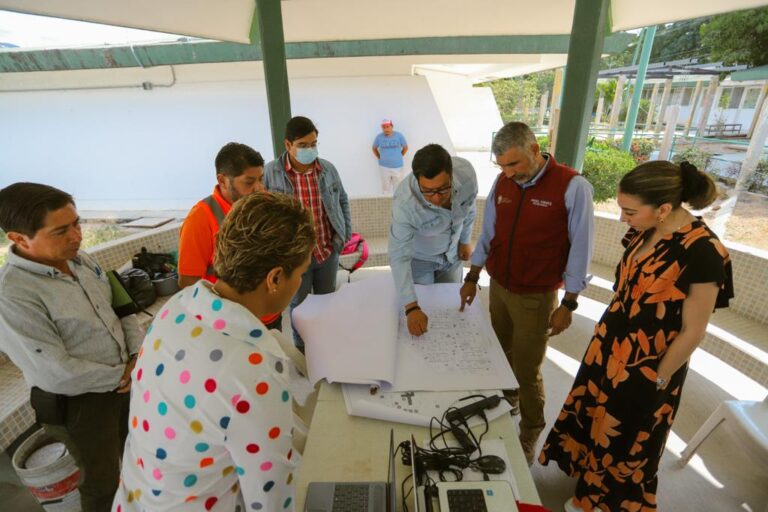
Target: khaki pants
521	323
94	432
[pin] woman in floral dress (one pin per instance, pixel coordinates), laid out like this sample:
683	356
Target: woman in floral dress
612	429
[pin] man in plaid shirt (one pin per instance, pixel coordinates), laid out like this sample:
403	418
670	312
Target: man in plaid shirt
315	182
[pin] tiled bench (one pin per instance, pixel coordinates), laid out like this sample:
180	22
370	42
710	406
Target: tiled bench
736	335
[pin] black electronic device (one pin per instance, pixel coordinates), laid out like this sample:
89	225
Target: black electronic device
458	417
490	464
466	412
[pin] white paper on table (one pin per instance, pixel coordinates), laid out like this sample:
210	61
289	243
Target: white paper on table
352	336
459	351
490	447
414	408
349	334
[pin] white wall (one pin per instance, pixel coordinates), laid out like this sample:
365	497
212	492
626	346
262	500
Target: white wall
155	149
470	113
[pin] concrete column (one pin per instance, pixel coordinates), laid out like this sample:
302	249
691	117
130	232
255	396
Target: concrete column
651	107
664	103
741	104
557	88
542	108
706	107
554	123
758	108
616	107
669	133
694	103
599	112
754	152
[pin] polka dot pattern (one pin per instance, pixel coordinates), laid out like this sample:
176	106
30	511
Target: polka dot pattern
204	387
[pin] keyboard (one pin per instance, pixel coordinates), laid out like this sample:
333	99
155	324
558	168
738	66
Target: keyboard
466	500
350	498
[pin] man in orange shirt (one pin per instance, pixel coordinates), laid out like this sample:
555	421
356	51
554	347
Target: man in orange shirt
239	171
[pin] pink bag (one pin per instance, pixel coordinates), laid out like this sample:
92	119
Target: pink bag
355	243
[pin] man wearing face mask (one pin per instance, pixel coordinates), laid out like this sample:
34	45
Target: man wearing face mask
315	182
537	236
433	212
239	171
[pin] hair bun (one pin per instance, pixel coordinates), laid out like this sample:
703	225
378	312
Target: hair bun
691	178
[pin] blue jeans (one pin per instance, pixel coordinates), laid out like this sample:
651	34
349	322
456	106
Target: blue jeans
427	272
320	278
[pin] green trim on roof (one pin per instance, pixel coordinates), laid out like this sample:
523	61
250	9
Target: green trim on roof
758	73
200	52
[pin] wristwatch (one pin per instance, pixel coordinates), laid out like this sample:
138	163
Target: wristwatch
571	305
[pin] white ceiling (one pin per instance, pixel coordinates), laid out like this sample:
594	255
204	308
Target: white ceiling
333	20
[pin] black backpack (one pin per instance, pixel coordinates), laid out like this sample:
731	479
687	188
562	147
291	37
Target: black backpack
139	286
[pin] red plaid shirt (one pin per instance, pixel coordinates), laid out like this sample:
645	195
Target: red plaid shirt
307	190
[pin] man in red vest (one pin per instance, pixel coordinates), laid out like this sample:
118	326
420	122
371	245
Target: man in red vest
537	236
239	172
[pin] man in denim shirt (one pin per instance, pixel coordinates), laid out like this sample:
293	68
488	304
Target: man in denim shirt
432	216
300	173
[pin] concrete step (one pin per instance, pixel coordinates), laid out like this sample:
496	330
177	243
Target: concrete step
736	340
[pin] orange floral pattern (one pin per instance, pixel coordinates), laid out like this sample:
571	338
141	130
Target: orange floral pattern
613	425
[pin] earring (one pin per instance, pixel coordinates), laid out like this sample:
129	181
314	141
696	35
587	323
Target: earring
661	220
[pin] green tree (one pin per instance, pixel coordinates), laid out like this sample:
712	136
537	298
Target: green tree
603	168
681	40
738	37
520	95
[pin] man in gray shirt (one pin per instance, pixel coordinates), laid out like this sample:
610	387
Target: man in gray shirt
58	326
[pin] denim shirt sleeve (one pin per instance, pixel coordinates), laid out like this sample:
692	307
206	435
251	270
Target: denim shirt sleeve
344	203
480	254
401	233
337	211
469	220
581	232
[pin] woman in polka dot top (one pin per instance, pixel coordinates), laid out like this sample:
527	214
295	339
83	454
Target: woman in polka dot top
211	418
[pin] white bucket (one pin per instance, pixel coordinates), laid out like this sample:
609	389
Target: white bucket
49	472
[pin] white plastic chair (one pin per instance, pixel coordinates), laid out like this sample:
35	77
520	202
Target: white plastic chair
747	420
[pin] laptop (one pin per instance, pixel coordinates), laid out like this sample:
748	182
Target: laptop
464	496
356	496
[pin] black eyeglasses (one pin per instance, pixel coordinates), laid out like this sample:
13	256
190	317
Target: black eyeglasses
436	192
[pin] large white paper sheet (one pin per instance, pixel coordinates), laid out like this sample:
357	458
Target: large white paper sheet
459	350
358	335
349	334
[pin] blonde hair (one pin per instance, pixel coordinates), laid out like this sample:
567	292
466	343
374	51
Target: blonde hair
659	182
263	231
